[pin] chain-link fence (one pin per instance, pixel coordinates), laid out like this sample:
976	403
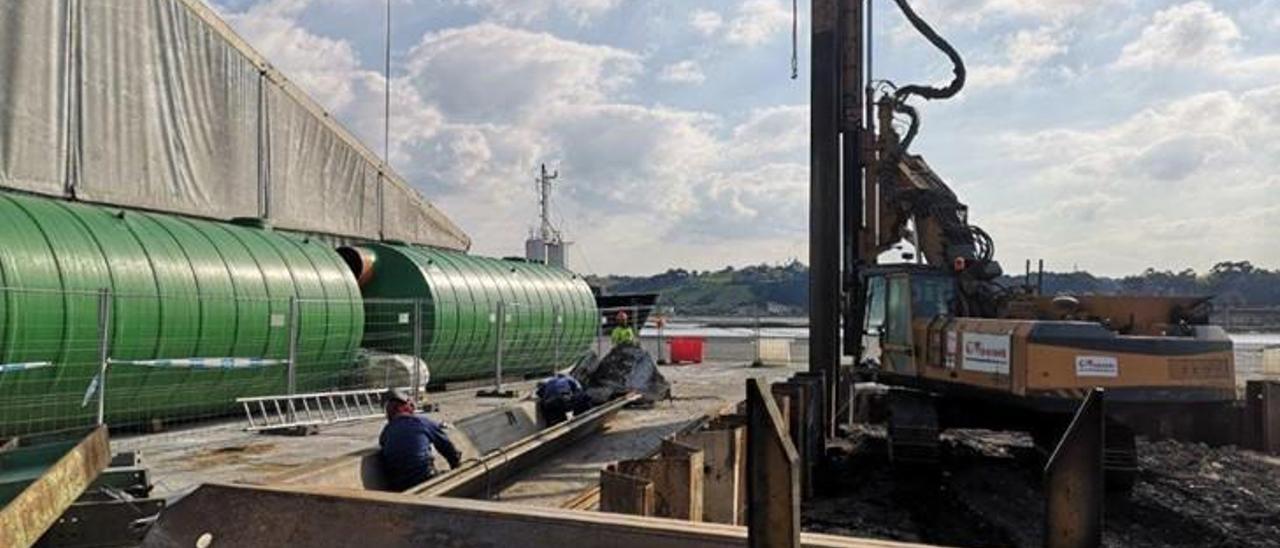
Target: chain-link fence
74	358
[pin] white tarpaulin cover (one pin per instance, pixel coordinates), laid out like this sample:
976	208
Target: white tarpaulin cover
156	104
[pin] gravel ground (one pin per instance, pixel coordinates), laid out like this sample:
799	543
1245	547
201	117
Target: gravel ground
987	493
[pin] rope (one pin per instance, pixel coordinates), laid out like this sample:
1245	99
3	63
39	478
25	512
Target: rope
795	39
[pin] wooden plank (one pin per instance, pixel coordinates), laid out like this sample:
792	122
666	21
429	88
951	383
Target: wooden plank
723	491
623	494
773	474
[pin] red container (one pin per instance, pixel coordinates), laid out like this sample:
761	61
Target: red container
686	350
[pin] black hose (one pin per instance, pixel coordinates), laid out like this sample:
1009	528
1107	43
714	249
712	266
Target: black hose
930	92
912	129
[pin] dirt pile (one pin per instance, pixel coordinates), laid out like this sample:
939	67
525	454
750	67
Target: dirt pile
987	492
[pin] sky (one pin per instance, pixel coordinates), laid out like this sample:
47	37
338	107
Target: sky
1101	135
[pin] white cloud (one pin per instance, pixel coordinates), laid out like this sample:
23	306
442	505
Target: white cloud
489	72
706	22
324	67
977	13
525	11
757	21
772	134
687	71
1190	34
1176	184
1025	52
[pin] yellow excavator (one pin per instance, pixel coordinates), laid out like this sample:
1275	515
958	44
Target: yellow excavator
963	350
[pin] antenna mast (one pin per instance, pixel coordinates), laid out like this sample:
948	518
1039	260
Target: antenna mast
548	233
546	245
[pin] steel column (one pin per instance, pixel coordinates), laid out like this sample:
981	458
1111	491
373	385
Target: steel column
824	192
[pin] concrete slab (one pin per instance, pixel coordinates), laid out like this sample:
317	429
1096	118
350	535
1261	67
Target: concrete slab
181	460
634	433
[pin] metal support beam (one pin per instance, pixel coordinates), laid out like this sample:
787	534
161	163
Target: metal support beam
1074	478
42	481
824	191
241	515
773	474
478	479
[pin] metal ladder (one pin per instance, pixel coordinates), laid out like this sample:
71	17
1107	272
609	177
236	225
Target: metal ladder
318	408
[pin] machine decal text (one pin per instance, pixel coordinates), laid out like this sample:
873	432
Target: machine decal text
1097	366
986	353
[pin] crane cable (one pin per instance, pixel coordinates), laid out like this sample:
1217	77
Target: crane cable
795	39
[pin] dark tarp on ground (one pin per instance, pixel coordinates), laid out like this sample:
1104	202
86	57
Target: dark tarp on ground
626	368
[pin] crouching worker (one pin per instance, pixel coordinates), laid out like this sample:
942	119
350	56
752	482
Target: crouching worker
406	441
559	396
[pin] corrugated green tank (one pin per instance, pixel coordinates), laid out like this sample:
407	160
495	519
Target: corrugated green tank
180	288
460	293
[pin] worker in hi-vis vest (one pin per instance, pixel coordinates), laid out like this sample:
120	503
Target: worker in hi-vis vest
622	334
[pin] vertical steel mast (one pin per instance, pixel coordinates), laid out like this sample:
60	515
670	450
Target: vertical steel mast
834	165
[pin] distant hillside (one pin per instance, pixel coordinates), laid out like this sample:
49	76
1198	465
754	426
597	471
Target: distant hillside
763	289
783	290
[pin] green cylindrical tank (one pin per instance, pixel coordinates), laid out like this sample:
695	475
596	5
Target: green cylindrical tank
460	295
179	288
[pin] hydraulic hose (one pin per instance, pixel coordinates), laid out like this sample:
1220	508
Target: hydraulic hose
930	92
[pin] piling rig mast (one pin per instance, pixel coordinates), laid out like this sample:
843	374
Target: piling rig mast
942	328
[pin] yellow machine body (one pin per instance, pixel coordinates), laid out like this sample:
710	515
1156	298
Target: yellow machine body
911	335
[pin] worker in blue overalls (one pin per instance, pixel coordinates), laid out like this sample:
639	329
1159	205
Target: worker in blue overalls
406	441
560	395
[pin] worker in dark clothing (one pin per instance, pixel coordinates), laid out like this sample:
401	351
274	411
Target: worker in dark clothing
406	441
559	396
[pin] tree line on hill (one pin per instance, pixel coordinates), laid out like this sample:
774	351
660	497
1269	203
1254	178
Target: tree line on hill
782	290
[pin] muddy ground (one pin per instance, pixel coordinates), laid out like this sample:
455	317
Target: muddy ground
987	492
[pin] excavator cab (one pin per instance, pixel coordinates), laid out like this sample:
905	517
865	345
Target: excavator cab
897	296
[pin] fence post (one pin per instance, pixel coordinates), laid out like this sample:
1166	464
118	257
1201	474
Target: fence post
662	339
757	362
416	376
500	317
104	350
292	379
556	331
